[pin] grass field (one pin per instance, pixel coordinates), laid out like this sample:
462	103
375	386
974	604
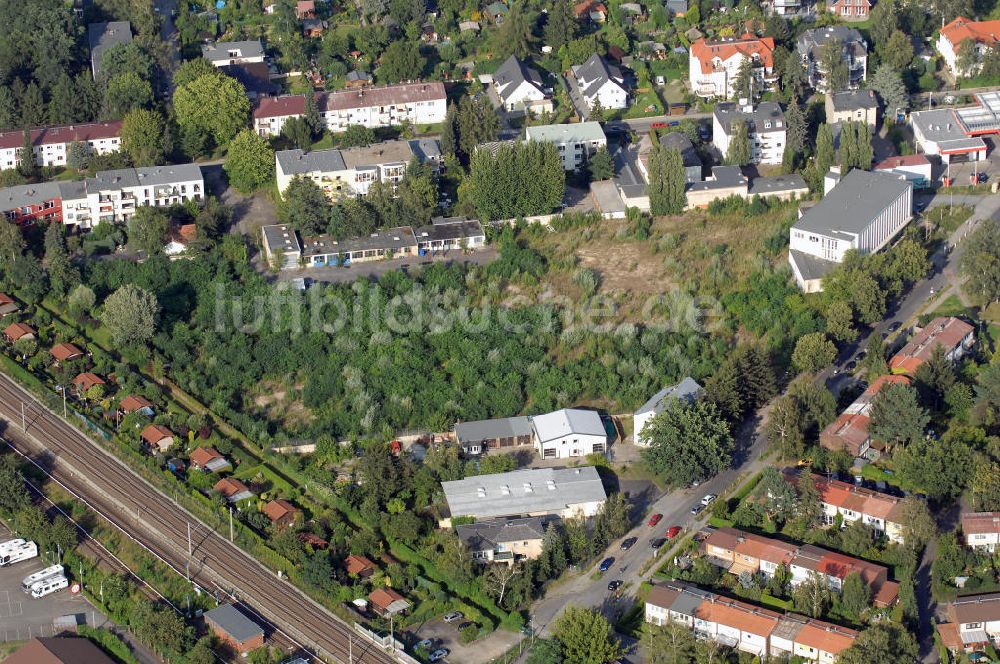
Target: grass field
952	306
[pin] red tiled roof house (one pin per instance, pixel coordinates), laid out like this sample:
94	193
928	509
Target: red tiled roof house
158	437
282	513
17	331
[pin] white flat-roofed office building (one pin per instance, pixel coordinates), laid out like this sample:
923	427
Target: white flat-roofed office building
564	492
568	433
765	125
863	211
576	142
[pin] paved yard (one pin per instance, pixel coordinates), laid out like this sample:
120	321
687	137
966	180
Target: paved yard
484	650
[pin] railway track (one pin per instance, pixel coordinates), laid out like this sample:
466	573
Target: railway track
140	510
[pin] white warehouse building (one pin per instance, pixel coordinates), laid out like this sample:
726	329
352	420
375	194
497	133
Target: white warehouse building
861	211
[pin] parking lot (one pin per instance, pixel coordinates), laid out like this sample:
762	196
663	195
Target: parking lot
22	617
445	635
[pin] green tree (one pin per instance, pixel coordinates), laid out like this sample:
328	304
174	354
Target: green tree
13	494
297	131
213	105
401	62
449	131
686	442
562	26
833	66
938	467
143	137
545	651
147	229
130	314
980	264
784	429
586	636
855	595
32	106
249	162
81	300
601	166
840	321
11	243
825	152
738	153
743	82
985	487
744	382
896	416
62	274
795	137
889	86
966	58
123	93
515	35
519	180
812	596
667	181
673	643
26	164
191	70
874	361
917	524
899	51
776	495
884	642
356	135
813	352
306	208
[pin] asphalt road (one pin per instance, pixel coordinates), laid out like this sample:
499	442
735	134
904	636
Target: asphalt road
118	494
646	124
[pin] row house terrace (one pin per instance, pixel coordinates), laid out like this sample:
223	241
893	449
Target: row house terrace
850	430
879	511
973	623
746	627
981	530
954	335
50	145
416	103
737	551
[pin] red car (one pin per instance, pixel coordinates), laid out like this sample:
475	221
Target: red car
673	531
658	125
655	519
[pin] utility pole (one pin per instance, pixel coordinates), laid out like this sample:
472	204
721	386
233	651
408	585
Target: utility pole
230	523
188	564
24	420
350	648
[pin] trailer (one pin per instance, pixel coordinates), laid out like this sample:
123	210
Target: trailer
33	578
49	586
24	551
10	545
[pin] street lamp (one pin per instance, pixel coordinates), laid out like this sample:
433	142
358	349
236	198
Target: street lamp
62	388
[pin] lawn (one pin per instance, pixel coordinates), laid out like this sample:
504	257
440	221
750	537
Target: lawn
952	306
948	218
276	482
646	103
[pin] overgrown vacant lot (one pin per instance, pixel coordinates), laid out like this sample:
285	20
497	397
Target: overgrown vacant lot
699	253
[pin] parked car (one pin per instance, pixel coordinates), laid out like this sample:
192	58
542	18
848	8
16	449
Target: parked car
426	644
851	366
606	564
673	531
627	544
655	544
697	508
708	499
655	519
895	326
614	585
439	654
467	623
453	616
658	125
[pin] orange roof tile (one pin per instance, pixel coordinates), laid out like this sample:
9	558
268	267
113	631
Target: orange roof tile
202	455
745	617
981	32
826	637
15	331
63	352
154	433
279	509
942	331
134	402
747	46
358	565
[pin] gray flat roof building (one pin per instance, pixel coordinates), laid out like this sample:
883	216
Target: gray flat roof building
723	177
849	208
853	100
232	621
394	239
567	422
575	132
771	184
299	162
535	491
489	534
504	427
103	36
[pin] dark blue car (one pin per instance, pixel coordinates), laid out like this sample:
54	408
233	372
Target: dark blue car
606	564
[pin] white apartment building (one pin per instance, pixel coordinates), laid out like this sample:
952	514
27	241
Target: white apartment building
520	88
576	142
221	54
50	145
765	125
600	82
713	65
351	172
862	211
114	196
416	103
984	34
568	433
854	53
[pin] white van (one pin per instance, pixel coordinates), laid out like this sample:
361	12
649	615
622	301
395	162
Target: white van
24	551
49	586
40	575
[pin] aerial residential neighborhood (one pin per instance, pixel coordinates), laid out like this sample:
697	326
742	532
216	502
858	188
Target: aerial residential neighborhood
500	332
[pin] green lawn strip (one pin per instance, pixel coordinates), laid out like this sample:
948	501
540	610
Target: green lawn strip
109	642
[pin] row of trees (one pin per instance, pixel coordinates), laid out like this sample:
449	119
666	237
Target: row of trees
520	179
